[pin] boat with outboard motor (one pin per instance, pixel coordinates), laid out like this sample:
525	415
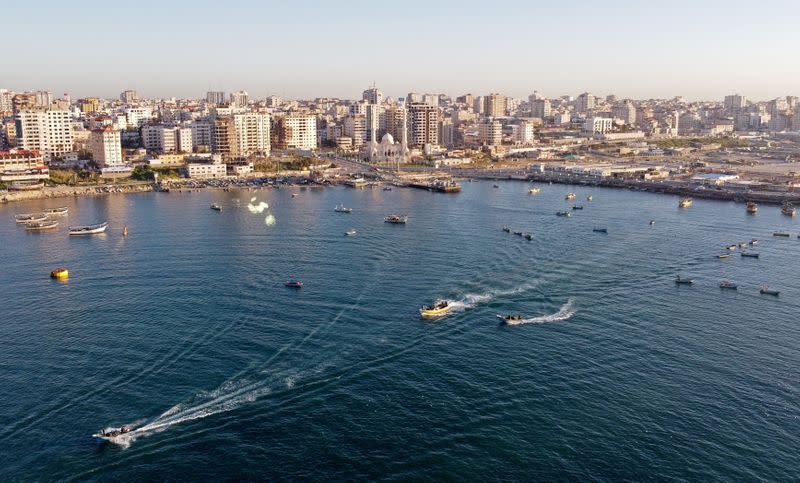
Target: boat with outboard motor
88	229
294	283
216	207
350	232
509	319
765	290
396	219
728	285
440	308
752	208
41	225
342	209
108	435
683	281
685	202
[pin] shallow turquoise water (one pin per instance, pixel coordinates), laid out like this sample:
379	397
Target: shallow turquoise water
184	327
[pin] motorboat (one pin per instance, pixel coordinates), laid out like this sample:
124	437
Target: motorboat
724	255
600	230
731	247
685	202
743	245
60	211
507	229
108	434
788	209
577	207
683	281
495	186
440	308
728	285
534	191
509	319
752	208
564	213
342	209
387	188
529	236
396	219
569	196
216	207
753	241
294	283
41	225
781	234
30	217
350	232
652	222
589	198
749	255
294	195
765	290
88	229
518	233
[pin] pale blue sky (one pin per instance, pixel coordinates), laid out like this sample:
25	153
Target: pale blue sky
309	48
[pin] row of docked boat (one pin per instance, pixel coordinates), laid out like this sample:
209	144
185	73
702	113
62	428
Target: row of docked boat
727	284
41	221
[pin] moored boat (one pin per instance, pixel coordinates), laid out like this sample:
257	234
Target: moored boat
60	273
569	196
41	225
216	207
88	229
724	255
685	202
563	213
529	236
534	191
683	281
507	229
752	207
518	233
731	247
350	232
294	283
60	211
749	255
440	308
600	230
396	219
589	198
30	217
342	209
728	284
753	241
765	290
788	209
781	234
577	207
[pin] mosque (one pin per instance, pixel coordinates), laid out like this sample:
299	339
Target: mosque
388	151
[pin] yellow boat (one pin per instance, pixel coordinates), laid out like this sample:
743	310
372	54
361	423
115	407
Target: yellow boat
439	309
60	273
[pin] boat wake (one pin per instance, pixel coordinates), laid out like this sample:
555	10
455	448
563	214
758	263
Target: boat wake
472	300
564	313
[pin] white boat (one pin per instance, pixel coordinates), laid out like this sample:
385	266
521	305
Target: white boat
41	225
342	209
533	191
727	284
570	196
88	229
350	232
396	219
216	207
685	202
60	211
30	217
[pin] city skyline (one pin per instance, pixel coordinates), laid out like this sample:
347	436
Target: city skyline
317	50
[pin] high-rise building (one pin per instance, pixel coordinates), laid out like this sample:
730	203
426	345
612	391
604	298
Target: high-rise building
167	139
105	146
598	125
136	116
395	121
223	137
490	132
6	104
252	133
374	119
355	127
424	125
446	132
239	99
372	95
541	108
129	96
734	104
202	132
215	97
47	131
494	105
296	131
430	99
523	133
584	102
626	112
89	105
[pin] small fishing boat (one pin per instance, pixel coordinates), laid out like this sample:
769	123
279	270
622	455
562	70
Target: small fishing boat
507	229
600	230
749	255
387	188
731	247
30	217
728	285
41	225
724	255
294	283
564	213
753	241
683	281
107	435
788	209
342	209
88	229
509	319
529	236
765	290
518	233
589	198
60	273
577	207
216	207
60	211
396	219
652	222
534	191
440	308
752	208
569	196
350	232
685	202
495	186
294	195
781	234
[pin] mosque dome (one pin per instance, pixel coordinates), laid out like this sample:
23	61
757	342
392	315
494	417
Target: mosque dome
387	139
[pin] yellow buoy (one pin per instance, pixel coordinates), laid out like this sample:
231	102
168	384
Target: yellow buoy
60	273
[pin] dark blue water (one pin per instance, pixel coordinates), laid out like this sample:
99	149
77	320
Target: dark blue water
185	329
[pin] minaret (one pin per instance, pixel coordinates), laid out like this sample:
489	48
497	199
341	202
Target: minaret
404	134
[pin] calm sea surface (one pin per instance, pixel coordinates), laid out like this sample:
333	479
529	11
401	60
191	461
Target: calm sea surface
185	329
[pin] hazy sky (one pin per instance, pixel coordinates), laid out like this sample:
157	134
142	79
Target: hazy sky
307	48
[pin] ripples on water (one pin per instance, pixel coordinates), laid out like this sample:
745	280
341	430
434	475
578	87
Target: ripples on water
185	329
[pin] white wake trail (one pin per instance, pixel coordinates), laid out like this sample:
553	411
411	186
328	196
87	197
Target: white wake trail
564	313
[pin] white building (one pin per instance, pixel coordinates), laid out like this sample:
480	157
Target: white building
598	125
372	95
298	131
202	131
167	139
252	133
355	127
136	116
424	124
239	99
22	165
490	132
49	132
206	170
105	146
523	133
